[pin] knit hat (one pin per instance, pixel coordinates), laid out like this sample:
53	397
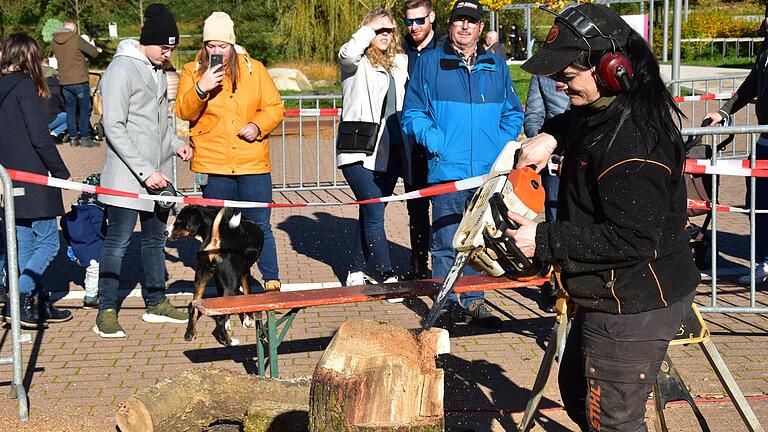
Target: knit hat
219	27
159	26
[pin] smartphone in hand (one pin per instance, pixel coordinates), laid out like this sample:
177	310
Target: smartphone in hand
215	60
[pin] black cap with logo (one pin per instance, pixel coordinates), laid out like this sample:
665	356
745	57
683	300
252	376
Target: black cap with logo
587	28
468	8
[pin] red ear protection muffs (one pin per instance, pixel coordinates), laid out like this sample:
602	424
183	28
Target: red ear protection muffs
615	72
614	69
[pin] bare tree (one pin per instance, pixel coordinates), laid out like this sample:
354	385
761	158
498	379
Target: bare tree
77	6
138	7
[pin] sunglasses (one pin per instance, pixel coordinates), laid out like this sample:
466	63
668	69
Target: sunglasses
384	30
418	21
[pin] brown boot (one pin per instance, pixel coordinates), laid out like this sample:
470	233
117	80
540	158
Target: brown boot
272	285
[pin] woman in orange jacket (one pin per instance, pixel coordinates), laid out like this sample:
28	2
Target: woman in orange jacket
232	108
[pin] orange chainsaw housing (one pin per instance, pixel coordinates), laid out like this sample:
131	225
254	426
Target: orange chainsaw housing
527	188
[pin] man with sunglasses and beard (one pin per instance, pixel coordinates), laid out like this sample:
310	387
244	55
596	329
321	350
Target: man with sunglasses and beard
461	107
423	35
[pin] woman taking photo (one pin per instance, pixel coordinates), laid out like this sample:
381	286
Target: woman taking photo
373	75
26	145
232	106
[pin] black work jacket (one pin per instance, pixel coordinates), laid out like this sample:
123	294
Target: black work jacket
619	238
26	145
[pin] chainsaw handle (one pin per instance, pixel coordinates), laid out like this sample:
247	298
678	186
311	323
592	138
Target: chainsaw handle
499	212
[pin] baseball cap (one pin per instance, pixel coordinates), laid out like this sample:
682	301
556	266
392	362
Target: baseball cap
470	8
601	29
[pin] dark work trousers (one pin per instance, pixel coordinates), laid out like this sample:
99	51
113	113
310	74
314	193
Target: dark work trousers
418	221
610	363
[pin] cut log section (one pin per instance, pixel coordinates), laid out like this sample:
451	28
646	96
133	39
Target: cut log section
378	376
199	397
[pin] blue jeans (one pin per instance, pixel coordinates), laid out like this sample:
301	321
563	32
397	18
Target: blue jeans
447	210
370	248
120	225
78	96
250	187
38	242
58	124
551	185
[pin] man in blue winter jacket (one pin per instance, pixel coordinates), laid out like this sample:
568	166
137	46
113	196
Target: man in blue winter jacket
462	107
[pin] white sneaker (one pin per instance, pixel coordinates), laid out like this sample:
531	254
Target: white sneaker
393	279
761	274
355	278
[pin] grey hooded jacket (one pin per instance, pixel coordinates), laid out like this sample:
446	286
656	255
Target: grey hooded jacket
136	125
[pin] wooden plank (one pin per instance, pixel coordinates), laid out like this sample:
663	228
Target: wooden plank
351	294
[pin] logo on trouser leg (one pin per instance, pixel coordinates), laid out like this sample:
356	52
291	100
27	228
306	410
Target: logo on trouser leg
594	405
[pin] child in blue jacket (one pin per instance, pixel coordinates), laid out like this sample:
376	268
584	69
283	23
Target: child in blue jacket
84	228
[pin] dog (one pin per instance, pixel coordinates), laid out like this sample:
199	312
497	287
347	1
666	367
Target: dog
231	245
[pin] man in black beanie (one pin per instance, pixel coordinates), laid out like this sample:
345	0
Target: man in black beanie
139	157
159	27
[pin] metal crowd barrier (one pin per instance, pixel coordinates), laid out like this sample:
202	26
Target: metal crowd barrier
723	87
711	85
323	149
714	307
701	42
303	158
12	262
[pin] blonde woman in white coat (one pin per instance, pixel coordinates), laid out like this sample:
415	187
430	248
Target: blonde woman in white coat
374	72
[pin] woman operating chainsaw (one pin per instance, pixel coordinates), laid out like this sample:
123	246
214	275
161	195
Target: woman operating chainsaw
619	241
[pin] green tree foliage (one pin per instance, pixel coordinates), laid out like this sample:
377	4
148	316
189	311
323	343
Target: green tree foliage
269	29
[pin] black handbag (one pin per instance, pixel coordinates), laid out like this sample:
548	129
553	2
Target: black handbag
359	136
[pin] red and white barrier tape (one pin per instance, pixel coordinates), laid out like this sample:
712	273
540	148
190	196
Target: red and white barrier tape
440	189
313	112
693	166
335	112
728	167
704	97
707	205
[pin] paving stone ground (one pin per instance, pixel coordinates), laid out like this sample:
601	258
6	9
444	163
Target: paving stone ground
77	379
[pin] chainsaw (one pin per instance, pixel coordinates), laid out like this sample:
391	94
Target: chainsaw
480	239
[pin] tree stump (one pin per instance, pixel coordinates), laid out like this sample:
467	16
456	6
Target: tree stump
199	397
376	376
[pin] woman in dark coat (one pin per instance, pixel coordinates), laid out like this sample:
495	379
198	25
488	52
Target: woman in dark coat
26	145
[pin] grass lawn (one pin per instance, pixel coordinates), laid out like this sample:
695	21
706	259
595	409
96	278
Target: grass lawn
718	61
521	80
